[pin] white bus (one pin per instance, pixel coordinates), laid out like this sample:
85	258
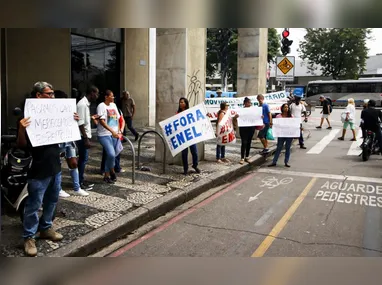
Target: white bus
339	91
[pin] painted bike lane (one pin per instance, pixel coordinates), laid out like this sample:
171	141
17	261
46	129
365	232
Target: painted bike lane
340	217
234	222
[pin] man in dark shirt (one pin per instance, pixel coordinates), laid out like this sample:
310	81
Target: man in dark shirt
44	181
371	119
325	112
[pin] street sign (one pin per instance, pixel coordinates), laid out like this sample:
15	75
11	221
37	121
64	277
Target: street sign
285	68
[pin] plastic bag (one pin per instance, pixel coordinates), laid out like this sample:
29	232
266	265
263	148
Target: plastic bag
269	135
118	147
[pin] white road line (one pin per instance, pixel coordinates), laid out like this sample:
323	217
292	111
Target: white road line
319	147
269	213
354	148
322	175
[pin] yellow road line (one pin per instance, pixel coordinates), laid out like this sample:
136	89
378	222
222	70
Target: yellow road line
267	242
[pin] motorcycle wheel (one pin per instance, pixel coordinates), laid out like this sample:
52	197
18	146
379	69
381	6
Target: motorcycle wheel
21	212
365	153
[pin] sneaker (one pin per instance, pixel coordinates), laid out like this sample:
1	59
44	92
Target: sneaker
108	180
265	150
246	159
86	187
225	160
219	161
81	192
50	234
272	165
63	194
113	177
121	171
197	169
287	165
329	128
341	138
318	127
241	161
302	146
136	137
87	184
30	247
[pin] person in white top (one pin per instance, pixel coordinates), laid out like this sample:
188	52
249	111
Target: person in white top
108	132
296	109
348	118
84	124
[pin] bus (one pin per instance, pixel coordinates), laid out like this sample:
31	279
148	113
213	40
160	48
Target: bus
339	91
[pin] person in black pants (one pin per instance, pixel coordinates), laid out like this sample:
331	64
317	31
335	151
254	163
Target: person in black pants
246	135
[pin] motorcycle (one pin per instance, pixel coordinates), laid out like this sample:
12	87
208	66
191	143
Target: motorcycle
369	145
15	165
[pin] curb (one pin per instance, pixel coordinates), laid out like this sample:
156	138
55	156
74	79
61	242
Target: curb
109	233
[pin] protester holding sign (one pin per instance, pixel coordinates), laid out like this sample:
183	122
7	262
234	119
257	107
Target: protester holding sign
108	133
69	148
281	141
184	105
246	135
267	120
220	149
44	180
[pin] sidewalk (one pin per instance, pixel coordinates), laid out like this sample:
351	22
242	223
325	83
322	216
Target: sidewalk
112	211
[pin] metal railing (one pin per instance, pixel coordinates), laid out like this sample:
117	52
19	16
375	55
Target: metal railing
133	163
164	147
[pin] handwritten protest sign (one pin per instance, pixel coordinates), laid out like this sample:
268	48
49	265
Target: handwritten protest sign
249	117
286	127
274	100
187	128
52	121
225	131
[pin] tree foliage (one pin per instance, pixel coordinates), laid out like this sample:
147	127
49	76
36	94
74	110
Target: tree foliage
222	47
339	53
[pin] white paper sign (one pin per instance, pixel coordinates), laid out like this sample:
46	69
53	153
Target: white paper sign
225	131
52	121
249	117
286	127
274	100
187	128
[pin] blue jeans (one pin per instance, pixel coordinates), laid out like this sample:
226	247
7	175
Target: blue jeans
220	151
194	152
40	192
280	144
108	143
83	156
117	166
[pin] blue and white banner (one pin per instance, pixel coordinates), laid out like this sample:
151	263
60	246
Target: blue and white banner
187	128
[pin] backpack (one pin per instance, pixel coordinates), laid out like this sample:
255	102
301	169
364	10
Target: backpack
330	104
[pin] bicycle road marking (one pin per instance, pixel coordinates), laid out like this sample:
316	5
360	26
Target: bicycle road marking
272	182
321	175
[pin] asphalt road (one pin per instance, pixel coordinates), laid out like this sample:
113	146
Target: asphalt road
328	204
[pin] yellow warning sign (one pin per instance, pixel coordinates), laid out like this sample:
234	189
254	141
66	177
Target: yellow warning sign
285	65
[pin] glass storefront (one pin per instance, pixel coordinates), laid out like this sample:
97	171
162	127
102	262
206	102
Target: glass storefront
95	62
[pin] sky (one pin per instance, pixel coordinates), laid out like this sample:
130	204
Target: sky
297	35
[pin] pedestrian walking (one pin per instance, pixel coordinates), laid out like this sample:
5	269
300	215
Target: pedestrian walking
267	120
44	181
348	118
108	133
184	105
84	124
128	108
246	135
285	113
326	110
297	108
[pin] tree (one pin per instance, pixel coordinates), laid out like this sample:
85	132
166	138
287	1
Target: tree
274	45
339	53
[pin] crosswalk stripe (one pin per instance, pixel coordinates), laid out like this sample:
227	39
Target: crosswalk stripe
354	148
319	147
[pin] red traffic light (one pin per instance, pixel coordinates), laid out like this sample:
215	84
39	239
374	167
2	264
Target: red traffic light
285	33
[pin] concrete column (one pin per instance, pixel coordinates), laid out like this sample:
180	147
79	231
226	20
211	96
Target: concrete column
136	66
180	72
252	61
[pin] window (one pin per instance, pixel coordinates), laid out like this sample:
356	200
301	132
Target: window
95	62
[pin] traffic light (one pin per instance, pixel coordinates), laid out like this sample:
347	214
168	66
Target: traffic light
285	42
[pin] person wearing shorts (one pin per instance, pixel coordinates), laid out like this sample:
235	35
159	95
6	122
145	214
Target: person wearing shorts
348	118
325	112
267	120
68	150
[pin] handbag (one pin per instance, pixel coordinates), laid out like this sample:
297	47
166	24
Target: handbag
269	135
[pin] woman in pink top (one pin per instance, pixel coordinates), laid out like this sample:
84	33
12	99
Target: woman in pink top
285	113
